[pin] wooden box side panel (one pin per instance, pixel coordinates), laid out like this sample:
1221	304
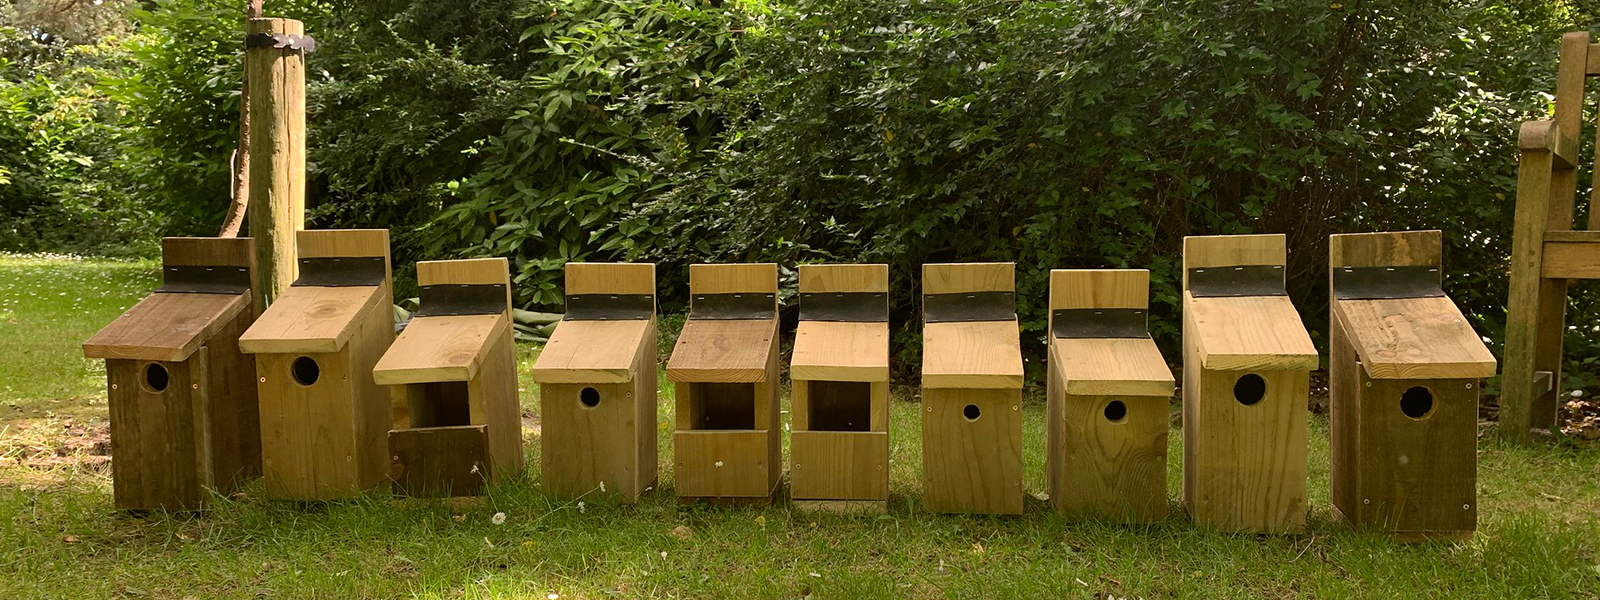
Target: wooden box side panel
583	446
724	464
837	465
1115	469
308	433
1419	474
158	439
235	415
440	461
1249	462
646	401
1344	412
494	403
972	466
374	407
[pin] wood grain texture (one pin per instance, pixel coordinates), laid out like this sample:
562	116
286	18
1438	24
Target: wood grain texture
1571	260
1109	469
1099	288
1251	332
844	278
470	271
1528	298
840	351
978	354
592	351
166	326
728	464
233	413
1414	338
734	278
208	252
311	319
160	438
496	404
1232	251
972	466
1245	466
277	147
839	465
440	461
1386	249
733	351
610	278
1105	367
612	442
961	278
442	348
343	243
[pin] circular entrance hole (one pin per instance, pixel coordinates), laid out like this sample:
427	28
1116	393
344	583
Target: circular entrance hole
1417	402
305	370
589	396
971	412
156	377
1116	411
1250	389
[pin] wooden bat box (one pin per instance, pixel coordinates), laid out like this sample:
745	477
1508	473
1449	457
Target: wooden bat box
1403	386
971	389
1247	362
724	369
324	421
1108	398
182	397
597	379
839	438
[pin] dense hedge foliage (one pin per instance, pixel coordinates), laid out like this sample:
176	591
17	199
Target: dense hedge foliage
1071	133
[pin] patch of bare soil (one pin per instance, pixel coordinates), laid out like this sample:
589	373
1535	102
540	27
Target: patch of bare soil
57	443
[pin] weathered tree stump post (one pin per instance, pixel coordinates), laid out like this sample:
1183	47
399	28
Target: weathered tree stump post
275	66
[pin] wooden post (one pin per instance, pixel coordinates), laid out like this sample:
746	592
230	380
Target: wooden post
277	154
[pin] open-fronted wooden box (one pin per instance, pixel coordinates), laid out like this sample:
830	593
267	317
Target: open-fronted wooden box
971	389
724	371
324	420
839	438
1108	396
1403	381
454	367
1247	362
597	379
182	397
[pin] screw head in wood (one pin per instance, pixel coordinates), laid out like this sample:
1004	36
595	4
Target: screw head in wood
194	386
1369	384
1469	386
1466	507
113	386
263	380
1367	501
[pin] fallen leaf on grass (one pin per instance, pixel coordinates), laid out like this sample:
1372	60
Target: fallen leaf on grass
682	532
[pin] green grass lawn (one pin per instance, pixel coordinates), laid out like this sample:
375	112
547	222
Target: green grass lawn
1539	532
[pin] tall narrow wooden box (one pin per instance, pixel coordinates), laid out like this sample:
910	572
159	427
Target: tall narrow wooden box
724	371
1246	378
1403	385
324	421
1109	392
971	389
839	438
597	380
183	399
455	368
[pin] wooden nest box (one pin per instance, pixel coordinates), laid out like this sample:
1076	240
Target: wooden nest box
971	389
724	371
454	368
597	379
1246	378
324	421
182	397
1108	398
839	443
1403	381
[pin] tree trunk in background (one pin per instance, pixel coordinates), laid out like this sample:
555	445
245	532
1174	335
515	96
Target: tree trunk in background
240	190
277	186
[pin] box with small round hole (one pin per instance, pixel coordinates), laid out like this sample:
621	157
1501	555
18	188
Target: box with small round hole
182	397
971	389
324	420
1247	362
597	385
1108	393
1403	381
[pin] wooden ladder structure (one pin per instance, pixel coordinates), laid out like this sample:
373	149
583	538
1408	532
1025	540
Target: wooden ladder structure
1546	251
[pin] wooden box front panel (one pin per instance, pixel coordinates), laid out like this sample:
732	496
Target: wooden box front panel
725	464
1417	474
972	465
158	435
309	443
1245	465
837	465
584	445
1114	468
440	461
